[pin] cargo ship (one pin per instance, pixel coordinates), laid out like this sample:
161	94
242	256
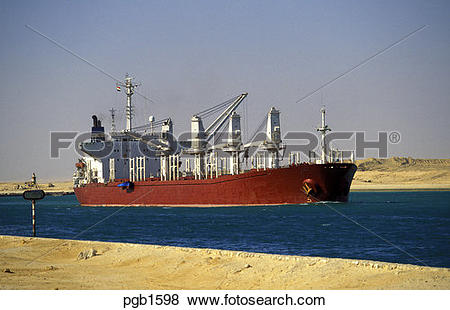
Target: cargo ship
147	166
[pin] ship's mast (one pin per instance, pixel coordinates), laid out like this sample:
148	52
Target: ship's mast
113	119
129	87
323	130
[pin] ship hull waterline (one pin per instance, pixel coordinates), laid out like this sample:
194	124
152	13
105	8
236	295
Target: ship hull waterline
295	184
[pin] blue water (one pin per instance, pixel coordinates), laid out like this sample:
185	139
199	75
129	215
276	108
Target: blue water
416	222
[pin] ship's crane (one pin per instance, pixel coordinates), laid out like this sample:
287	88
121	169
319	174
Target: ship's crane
198	131
272	142
217	124
200	137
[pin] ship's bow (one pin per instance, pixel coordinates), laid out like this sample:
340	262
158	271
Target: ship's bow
328	182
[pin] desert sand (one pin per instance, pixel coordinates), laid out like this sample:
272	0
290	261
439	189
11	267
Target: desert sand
38	263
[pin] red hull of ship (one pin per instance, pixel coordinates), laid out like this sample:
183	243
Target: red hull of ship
328	182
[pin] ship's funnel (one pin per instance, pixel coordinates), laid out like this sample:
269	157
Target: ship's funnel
94	121
98	132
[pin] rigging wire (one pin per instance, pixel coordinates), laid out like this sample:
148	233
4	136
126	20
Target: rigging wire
261	125
83	60
213	112
221	133
210	111
362	63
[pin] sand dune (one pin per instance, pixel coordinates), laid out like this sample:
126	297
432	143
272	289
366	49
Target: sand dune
37	263
402	173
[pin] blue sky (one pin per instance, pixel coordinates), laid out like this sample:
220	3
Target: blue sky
192	54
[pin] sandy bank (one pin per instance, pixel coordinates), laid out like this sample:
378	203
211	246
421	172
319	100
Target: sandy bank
50	188
402	173
374	187
131	266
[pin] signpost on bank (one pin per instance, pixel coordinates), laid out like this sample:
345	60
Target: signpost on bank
33	195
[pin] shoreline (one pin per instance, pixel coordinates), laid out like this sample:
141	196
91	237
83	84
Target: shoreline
139	266
369	187
354	188
47	193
